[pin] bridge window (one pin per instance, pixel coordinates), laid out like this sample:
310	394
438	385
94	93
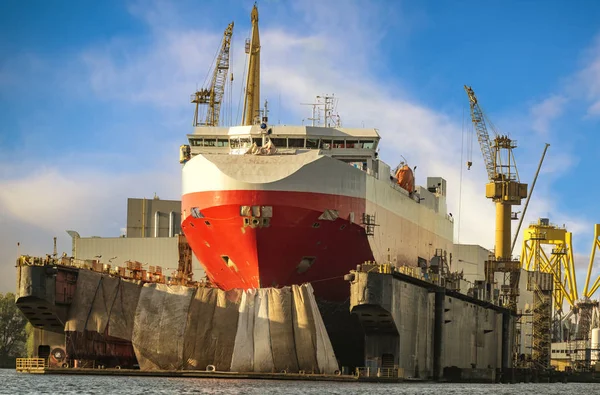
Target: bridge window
368	144
338	144
240	142
359	165
258	142
210	142
296	143
222	142
352	144
279	142
312	143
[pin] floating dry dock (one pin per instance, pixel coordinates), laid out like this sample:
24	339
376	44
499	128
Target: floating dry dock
414	329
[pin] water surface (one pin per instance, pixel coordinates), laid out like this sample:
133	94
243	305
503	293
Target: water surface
21	383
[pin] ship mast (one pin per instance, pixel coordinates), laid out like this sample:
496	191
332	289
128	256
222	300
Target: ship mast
252	95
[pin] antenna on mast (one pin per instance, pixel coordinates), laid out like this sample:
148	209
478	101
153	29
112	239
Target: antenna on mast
316	113
330	119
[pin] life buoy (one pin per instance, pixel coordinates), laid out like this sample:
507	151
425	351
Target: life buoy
301	372
284	371
337	373
118	367
211	368
65	365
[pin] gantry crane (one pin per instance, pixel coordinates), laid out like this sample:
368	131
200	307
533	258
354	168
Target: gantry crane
586	305
505	189
213	95
558	261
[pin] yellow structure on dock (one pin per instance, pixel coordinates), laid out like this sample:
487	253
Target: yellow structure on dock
558	262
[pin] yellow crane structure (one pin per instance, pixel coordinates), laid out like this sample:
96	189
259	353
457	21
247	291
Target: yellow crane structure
587	290
505	190
556	260
251	112
212	96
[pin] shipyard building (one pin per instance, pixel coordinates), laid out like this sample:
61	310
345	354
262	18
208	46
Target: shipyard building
151	238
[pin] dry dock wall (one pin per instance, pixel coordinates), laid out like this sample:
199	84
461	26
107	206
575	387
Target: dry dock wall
423	329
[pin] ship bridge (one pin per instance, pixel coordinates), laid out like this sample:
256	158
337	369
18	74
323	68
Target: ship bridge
342	143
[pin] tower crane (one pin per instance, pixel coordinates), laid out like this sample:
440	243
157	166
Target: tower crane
213	95
505	189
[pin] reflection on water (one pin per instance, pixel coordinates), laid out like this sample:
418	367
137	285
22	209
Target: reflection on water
14	383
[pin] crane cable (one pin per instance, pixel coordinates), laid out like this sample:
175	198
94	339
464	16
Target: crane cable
462	148
202	109
228	95
213	63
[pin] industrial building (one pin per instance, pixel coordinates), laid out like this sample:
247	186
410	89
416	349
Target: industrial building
151	238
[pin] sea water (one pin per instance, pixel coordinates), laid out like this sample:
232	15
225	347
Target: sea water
12	382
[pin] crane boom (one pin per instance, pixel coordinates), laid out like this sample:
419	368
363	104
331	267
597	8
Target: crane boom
213	95
482	133
251	111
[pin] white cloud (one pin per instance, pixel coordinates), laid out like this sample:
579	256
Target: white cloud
588	79
594	109
545	112
162	74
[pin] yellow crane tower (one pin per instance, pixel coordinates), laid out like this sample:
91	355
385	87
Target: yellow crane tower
505	189
213	95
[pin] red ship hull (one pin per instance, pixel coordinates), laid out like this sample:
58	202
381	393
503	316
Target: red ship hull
293	246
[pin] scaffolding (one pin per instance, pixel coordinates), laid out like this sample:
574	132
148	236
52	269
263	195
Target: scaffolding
541	339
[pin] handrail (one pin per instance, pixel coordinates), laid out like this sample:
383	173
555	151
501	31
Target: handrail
391	373
31	363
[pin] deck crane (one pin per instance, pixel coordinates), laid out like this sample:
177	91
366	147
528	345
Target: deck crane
251	112
505	189
213	95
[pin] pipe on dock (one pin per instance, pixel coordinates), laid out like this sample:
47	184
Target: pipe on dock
438	328
506	340
156	222
144	217
171	223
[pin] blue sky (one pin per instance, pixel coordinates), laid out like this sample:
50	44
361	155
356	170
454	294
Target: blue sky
94	99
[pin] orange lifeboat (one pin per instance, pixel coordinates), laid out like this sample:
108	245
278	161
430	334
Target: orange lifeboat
406	178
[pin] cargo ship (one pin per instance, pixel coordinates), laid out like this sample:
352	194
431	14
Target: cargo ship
267	205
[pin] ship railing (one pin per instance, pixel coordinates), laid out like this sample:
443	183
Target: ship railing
31	364
388	373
